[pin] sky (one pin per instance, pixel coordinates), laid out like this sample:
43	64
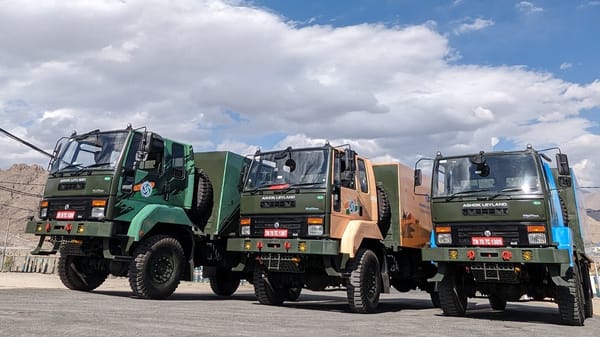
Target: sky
398	80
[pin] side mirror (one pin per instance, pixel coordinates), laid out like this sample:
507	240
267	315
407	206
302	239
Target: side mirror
349	162
562	164
418	176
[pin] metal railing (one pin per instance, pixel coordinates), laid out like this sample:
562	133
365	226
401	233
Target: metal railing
22	261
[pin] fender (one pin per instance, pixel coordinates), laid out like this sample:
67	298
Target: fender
150	215
356	231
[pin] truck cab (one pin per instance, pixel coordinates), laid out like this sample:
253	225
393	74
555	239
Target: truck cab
507	225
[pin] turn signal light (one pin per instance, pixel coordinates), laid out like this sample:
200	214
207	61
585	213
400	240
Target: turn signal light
536	228
98	203
443	229
527	255
245	221
247	245
302	246
453	253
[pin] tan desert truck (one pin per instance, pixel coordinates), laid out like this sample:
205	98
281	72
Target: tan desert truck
323	218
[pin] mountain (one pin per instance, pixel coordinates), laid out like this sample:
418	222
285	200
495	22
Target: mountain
21	188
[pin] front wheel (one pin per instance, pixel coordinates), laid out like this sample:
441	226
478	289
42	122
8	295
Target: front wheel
224	283
157	267
364	284
453	299
80	273
497	302
264	289
570	299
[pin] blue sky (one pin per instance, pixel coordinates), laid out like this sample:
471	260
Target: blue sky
542	35
397	80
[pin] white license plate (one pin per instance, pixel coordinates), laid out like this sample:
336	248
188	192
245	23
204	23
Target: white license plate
65	215
276	233
487	241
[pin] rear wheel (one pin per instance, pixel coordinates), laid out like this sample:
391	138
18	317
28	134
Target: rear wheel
267	292
224	283
453	299
293	294
570	299
497	302
588	291
80	272
364	285
157	267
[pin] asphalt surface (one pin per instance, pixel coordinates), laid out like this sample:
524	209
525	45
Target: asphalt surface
194	311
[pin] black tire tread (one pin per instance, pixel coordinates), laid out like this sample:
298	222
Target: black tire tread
569	299
224	283
264	291
453	299
75	278
384	219
358	298
138	279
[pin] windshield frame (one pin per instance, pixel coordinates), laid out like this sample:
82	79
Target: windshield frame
303	168
91	151
500	174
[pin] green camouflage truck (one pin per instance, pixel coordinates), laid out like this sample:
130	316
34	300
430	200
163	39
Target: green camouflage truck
132	203
507	225
317	218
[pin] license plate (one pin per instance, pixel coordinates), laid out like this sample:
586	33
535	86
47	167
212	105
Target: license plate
487	241
276	233
65	215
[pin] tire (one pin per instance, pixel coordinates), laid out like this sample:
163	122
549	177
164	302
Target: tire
570	299
157	267
453	299
435	299
364	284
384	211
78	273
497	302
266	292
293	294
588	291
203	200
225	283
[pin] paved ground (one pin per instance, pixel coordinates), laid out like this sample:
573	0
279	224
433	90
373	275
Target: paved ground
38	305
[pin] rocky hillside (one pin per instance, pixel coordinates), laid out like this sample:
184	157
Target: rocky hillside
22	185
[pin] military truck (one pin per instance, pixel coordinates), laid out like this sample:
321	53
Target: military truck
132	203
317	218
507	225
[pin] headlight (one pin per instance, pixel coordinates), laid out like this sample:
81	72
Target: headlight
98	212
43	213
444	238
315	230
537	238
245	230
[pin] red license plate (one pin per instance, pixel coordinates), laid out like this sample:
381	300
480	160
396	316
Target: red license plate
487	241
276	233
65	215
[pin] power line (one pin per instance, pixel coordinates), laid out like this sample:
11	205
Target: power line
12	190
17	183
25	209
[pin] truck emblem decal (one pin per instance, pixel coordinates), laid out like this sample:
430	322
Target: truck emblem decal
487	233
352	207
276	225
146	189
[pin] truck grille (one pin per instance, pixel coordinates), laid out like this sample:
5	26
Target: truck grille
512	234
295	225
82	207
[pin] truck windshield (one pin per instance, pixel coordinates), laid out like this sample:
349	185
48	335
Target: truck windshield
290	168
493	174
91	151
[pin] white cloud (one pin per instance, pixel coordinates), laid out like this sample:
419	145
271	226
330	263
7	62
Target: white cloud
528	7
470	25
228	76
566	65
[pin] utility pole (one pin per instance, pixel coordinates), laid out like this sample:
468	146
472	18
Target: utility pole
5	244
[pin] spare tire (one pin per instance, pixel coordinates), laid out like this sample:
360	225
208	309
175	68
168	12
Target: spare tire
203	199
384	217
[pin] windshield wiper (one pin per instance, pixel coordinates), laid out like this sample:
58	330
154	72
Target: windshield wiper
454	195
504	192
264	186
292	186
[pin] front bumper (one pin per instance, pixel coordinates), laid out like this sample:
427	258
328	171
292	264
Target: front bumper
295	246
497	255
103	229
